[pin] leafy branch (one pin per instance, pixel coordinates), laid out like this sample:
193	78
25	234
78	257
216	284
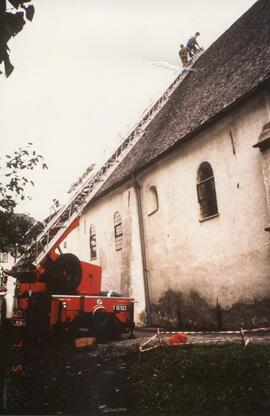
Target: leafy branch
13	176
11	23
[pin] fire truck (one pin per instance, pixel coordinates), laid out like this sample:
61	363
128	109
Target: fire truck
63	295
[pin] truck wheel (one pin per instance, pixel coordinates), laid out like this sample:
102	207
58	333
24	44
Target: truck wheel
105	328
68	273
101	317
101	324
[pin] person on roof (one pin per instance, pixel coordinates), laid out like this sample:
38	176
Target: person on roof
193	45
183	53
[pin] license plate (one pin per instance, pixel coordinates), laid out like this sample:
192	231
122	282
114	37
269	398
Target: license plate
120	308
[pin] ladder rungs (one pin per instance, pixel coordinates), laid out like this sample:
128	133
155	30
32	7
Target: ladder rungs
88	189
58	225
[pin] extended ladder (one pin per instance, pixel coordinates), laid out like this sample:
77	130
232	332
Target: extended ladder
93	182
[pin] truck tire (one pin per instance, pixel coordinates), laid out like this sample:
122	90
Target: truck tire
68	273
101	317
105	328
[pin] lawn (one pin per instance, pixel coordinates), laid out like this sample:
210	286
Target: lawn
202	380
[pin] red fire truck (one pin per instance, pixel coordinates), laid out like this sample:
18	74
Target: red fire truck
63	295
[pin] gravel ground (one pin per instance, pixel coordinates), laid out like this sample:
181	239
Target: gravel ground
93	381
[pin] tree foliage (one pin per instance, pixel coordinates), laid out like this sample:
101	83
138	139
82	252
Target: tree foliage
14	177
16	231
12	14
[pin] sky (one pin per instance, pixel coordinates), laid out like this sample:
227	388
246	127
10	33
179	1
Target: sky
84	72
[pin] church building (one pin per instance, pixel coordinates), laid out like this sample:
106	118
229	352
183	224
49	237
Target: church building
182	224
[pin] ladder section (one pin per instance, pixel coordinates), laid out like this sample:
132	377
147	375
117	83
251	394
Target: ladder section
93	181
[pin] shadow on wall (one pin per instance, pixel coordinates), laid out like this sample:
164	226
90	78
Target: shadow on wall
191	312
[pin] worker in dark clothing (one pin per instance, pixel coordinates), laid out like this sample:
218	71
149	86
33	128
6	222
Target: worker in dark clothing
193	45
183	53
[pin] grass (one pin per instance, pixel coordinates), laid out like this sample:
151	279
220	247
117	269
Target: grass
202	380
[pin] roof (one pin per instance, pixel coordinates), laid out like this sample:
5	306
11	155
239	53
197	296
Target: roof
233	66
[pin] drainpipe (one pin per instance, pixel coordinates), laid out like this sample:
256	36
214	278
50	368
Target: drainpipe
137	189
263	144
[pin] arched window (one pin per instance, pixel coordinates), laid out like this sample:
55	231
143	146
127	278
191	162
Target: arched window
206	191
118	231
152	200
93	242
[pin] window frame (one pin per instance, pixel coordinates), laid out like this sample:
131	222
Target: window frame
206	193
93	242
152	200
118	231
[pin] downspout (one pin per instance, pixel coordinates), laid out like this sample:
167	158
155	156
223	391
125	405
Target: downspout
263	144
137	189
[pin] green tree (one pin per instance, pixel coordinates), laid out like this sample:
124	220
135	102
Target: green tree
17	231
11	23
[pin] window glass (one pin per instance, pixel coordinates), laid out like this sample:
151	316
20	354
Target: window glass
93	243
206	191
118	231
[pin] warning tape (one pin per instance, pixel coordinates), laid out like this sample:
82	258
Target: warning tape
254	330
158	342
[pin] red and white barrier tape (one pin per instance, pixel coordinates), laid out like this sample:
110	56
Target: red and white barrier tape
216	332
242	332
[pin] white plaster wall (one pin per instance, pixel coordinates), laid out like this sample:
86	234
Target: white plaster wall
224	258
121	270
